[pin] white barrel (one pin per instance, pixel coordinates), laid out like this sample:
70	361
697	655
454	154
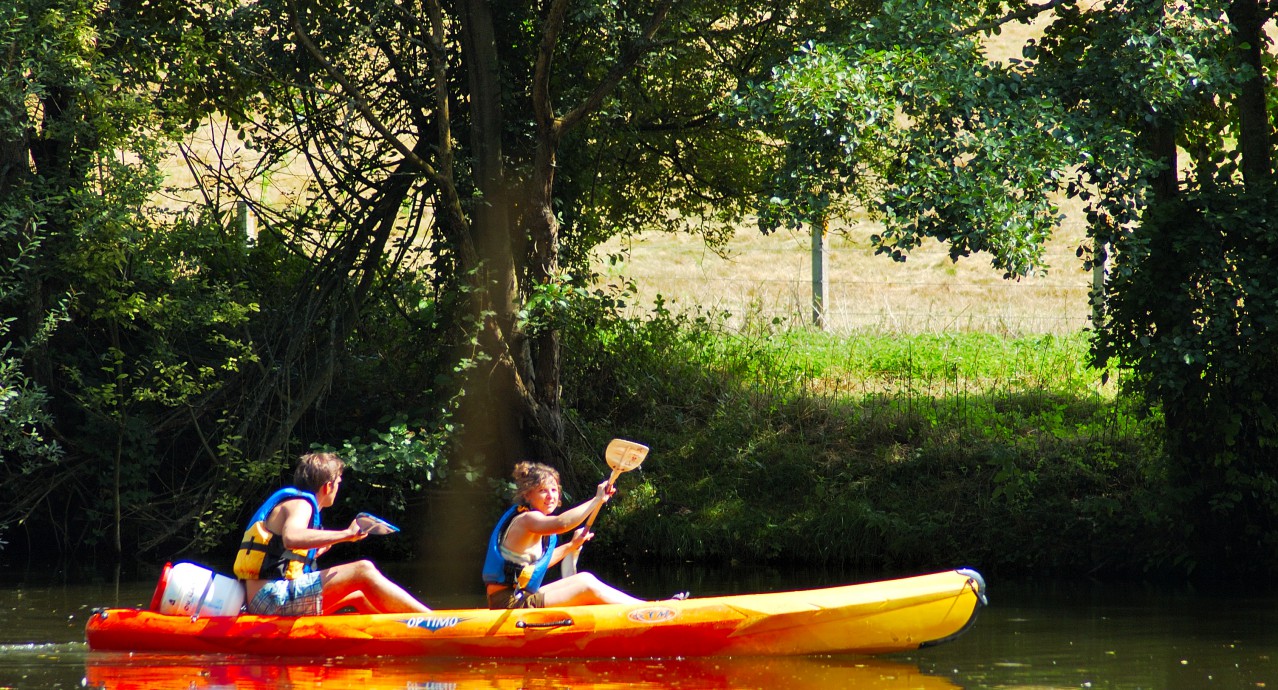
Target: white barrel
187	589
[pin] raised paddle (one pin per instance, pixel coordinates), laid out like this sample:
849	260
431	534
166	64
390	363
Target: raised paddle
622	456
371	524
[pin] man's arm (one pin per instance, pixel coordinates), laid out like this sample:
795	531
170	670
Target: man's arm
296	532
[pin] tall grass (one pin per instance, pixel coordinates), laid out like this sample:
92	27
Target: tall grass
866	451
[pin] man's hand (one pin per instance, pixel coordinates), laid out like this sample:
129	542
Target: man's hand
355	532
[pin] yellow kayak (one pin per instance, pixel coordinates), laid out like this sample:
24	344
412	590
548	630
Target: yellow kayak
868	618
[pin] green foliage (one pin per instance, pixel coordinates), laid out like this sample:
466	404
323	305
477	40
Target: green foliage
159	338
553	305
76	103
1194	316
906	118
25	444
657	156
870	451
396	460
157	328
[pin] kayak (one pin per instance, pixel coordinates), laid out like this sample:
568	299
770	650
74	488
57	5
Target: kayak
120	671
868	618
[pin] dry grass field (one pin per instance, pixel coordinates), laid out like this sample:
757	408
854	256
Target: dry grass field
771	277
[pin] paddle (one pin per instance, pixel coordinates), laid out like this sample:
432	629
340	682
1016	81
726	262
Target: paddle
622	456
371	524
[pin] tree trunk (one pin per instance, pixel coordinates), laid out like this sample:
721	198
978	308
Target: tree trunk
1254	140
491	226
516	399
543	265
490	410
490	407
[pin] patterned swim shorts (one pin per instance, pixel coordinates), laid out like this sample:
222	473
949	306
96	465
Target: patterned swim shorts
303	596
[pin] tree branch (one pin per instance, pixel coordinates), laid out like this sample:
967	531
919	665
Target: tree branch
543	109
551	29
439	69
357	97
1026	13
637	49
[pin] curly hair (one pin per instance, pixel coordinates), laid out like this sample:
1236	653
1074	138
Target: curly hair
530	475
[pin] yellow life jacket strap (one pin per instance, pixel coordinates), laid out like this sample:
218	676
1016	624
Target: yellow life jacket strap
253	545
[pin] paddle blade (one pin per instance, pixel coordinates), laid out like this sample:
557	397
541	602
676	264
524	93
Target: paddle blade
623	455
371	524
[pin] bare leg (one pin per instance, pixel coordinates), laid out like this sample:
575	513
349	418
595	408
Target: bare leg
345	582
584	589
355	599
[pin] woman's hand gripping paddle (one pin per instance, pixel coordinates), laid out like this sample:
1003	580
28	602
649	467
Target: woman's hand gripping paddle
622	456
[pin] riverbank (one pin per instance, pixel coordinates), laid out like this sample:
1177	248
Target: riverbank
869	452
875	451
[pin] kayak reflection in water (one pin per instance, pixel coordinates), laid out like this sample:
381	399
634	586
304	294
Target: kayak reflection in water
155	672
524	545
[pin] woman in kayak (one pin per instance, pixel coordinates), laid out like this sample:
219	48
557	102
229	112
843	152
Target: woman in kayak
524	544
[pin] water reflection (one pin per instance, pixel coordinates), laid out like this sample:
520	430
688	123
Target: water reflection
1036	635
157	672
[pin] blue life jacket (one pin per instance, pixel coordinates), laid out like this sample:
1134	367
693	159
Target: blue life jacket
262	555
499	571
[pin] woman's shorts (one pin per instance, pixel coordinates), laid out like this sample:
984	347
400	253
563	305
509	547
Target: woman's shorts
506	599
303	596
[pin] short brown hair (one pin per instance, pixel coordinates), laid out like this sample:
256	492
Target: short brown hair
530	475
314	470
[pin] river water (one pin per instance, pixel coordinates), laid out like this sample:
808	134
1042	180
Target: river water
1032	636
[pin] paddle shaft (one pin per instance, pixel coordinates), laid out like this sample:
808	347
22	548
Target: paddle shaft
622	456
568	567
612	480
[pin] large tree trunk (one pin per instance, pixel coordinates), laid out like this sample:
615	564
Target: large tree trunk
512	402
543	356
1254	130
491	407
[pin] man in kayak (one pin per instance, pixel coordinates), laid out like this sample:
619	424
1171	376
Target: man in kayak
277	556
524	544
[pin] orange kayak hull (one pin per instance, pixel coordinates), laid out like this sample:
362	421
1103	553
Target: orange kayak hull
868	618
